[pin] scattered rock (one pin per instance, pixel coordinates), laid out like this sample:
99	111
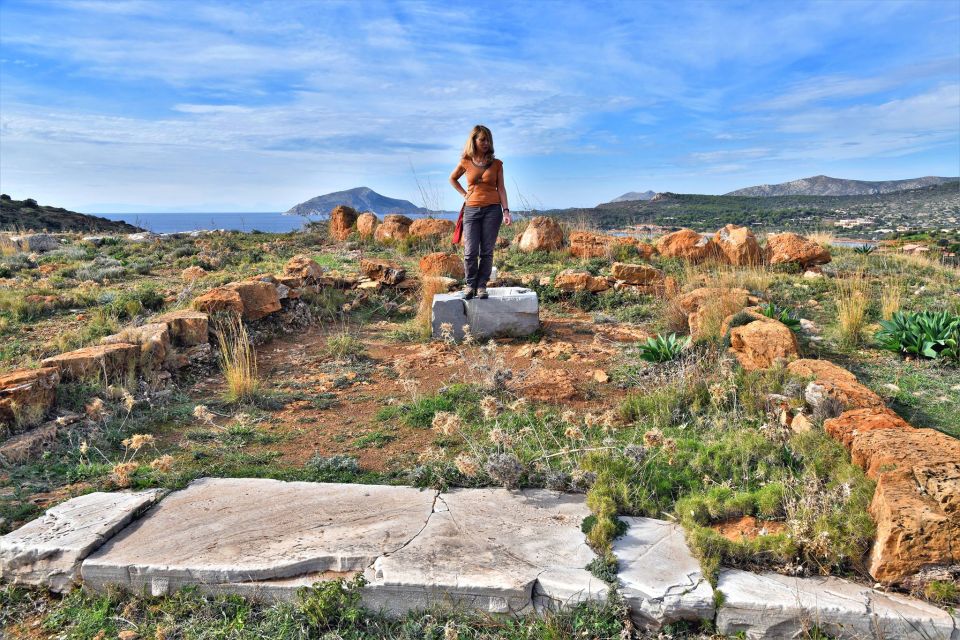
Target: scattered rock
738	245
192	273
187	327
219	299
851	423
570	280
752	312
442	264
801	423
35	242
549	385
638	274
760	345
694	300
688	245
367	224
48	551
343	219
110	362
601	376
660	579
304	269
395	227
154	342
542	234
26	396
30	444
258	299
431	227
789	247
382	271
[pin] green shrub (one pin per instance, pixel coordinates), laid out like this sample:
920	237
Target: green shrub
771	310
663	349
328	605
922	334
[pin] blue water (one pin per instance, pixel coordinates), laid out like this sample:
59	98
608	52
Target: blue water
180	222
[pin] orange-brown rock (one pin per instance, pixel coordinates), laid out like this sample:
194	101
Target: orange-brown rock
642	274
259	299
882	450
549	385
820	370
304	268
644	249
26	396
187	328
109	363
219	299
343	220
367	224
688	245
394	227
738	245
154	342
442	264
542	234
830	380
752	312
570	280
942	483
913	532
192	273
856	421
789	247
584	244
760	345
431	227
693	300
382	271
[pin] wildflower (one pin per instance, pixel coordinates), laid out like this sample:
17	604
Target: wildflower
489	407
466	465
670	447
500	437
122	472
718	393
138	440
128	401
573	432
569	417
84	447
505	469
467	335
519	405
95	409
162	464
653	438
203	414
446	423
591	420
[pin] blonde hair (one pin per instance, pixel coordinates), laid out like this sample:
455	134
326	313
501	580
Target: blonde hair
470	149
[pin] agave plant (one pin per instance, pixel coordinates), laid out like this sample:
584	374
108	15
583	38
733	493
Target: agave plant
783	315
864	249
924	334
663	348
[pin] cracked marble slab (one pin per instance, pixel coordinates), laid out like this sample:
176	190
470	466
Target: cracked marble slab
660	579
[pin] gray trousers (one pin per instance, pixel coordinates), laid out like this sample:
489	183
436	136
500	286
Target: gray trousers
480	228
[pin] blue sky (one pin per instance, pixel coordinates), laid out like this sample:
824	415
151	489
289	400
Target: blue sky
191	105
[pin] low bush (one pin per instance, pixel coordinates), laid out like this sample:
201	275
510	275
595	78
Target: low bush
771	310
922	334
663	348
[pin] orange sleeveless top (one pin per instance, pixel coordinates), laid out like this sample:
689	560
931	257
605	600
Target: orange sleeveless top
482	183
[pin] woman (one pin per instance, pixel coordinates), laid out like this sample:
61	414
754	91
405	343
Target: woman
485	207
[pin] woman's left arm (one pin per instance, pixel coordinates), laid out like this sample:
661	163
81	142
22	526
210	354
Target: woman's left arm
503	197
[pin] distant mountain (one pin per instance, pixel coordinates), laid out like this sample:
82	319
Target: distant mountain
827	186
27	215
361	199
635	195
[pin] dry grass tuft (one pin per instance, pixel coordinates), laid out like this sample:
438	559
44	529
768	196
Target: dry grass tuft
713	313
428	289
238	358
853	297
890	296
822	237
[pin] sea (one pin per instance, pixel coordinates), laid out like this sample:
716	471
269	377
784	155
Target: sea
231	221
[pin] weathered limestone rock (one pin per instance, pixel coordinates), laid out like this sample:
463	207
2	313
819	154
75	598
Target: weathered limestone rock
220	531
738	245
26	396
485	549
820	370
187	327
154	342
759	345
304	268
192	273
689	245
431	227
851	423
542	234
259	299
660	579
571	280
219	299
394	227
366	224
694	300
888	449
382	271
639	274
107	361
36	242
48	551
772	607
942	483
752	312
830	380
788	247
442	264
584	244
342	221
508	312
549	385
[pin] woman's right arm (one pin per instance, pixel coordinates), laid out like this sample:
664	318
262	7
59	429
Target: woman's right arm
455	180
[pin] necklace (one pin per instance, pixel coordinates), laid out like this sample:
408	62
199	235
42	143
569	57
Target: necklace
478	165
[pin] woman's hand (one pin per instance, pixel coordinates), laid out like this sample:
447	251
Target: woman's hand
506	217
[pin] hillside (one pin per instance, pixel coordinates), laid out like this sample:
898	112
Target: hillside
361	199
634	195
827	186
926	208
27	215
